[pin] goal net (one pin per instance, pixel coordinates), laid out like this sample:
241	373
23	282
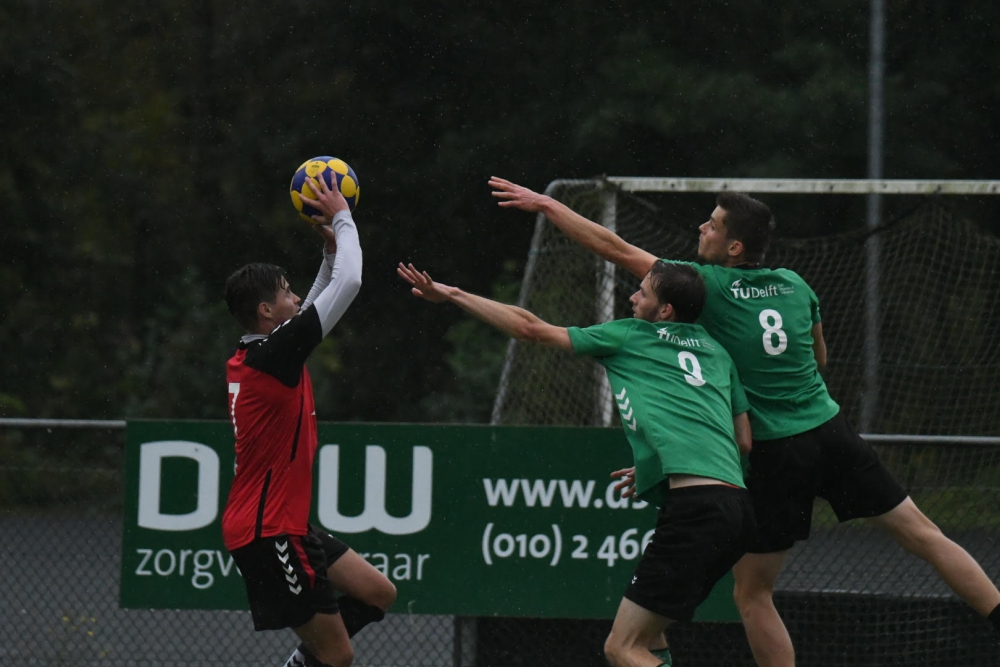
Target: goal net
910	315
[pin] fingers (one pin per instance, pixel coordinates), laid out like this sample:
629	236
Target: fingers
503	188
323	188
627	484
626	481
405	274
328	200
411	275
308	200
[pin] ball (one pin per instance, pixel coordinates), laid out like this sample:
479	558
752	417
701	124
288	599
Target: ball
327	168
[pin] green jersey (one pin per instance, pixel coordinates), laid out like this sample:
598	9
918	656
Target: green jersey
676	390
764	319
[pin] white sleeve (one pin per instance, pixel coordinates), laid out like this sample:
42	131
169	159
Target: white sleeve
345	274
322	278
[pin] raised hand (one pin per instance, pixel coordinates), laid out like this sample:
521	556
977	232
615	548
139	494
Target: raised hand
512	195
329	202
423	285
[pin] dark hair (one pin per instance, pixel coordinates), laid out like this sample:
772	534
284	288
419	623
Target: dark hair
681	286
248	287
748	221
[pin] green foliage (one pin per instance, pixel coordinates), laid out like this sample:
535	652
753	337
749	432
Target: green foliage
474	362
147	147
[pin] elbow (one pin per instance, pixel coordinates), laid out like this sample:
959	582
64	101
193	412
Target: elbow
744	445
528	332
352	280
353	286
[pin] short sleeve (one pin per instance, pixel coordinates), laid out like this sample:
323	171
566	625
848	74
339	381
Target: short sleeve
600	340
738	396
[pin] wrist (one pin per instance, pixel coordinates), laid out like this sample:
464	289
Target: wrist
546	204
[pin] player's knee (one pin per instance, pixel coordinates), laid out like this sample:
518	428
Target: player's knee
386	596
614	651
748	593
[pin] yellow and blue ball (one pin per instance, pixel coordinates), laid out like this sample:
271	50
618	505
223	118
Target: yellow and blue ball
327	168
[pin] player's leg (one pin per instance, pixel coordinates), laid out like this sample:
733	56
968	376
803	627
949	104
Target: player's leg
660	647
287	587
326	632
782	481
701	532
753	593
921	537
860	486
635	629
368	593
324	643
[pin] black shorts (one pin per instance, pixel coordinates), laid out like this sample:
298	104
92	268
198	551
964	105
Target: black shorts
701	531
286	577
830	461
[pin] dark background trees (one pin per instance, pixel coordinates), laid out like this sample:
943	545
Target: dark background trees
146	149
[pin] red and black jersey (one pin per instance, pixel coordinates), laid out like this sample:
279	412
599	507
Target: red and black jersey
274	421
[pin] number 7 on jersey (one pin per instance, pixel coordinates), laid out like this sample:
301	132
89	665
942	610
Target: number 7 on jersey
234	391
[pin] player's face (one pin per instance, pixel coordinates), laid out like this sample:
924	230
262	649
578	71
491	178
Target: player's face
713	246
645	305
286	304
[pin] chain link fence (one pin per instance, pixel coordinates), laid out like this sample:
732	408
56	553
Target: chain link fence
849	595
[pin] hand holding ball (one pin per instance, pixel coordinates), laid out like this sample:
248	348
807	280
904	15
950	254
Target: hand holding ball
331	170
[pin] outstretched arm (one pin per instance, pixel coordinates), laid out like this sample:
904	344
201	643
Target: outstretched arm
588	234
513	321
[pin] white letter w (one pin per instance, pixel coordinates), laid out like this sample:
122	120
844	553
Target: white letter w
374	514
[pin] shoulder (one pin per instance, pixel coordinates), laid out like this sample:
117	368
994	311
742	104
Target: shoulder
613	327
787	274
794	280
704	269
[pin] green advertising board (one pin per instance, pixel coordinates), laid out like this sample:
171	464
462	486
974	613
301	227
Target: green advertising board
465	520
